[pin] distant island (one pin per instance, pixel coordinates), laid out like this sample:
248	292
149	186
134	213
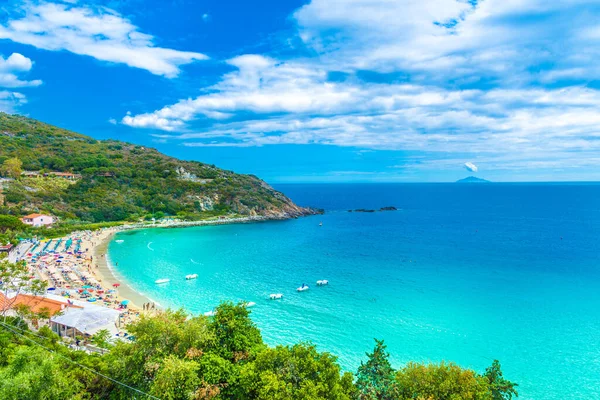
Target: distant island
388	208
472	179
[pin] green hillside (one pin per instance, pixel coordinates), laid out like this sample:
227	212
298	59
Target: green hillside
118	181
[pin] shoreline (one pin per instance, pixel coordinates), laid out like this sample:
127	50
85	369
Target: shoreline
79	267
106	273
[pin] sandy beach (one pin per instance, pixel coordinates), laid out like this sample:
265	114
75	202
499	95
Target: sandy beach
104	273
78	267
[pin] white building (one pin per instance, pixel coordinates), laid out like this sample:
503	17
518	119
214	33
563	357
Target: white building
38	220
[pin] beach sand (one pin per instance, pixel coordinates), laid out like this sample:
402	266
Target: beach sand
104	272
75	272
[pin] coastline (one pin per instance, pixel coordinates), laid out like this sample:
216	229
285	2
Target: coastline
79	266
105	274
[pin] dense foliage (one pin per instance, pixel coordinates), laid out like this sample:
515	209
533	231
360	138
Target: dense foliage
118	181
174	356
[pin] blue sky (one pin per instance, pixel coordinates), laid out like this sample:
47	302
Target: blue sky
320	90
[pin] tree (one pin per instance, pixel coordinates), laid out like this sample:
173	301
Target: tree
10	223
375	378
12	168
236	334
35	374
176	379
101	338
296	373
441	381
501	388
16	278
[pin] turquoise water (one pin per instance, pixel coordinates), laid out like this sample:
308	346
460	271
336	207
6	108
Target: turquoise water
465	273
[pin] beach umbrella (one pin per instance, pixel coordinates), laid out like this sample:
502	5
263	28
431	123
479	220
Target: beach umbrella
87	287
50	289
116	284
125	302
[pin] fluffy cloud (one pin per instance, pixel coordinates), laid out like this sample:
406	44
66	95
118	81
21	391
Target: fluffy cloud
477	78
10	101
97	32
471	167
9	68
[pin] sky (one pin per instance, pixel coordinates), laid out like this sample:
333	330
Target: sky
320	90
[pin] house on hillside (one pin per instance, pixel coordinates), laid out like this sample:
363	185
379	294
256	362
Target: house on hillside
65	175
34	303
9	305
30	174
6	248
37	220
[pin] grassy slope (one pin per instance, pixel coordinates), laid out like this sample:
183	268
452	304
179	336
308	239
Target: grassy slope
141	180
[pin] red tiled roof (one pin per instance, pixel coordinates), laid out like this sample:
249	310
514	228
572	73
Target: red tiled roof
31	216
35	303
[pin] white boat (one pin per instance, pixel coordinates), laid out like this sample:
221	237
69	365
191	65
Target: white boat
191	276
303	288
159	281
249	304
119	241
322	282
275	296
209	314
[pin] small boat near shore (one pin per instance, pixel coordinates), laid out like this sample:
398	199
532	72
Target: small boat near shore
322	282
119	241
303	288
159	281
249	304
275	296
191	276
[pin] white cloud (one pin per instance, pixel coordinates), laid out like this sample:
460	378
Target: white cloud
471	167
205	17
112	121
97	32
10	101
467	83
9	68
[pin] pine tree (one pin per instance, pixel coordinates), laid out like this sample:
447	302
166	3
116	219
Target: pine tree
375	378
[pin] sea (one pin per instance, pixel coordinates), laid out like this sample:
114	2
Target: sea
463	273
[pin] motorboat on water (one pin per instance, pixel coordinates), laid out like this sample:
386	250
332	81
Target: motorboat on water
119	241
249	304
191	276
159	281
211	313
303	288
275	296
322	282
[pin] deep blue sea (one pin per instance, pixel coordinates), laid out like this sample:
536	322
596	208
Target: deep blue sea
461	272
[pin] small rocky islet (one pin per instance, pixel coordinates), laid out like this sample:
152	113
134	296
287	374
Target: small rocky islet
365	210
